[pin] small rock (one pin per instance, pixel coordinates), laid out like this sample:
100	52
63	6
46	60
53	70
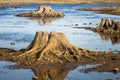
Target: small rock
110	48
76	24
90	23
106	52
18	62
103	62
84	23
13	56
35	78
116	70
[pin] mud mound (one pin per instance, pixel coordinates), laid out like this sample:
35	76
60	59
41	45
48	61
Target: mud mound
43	11
108	26
52	47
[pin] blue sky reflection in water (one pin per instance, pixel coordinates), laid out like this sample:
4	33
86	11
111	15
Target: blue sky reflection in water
21	30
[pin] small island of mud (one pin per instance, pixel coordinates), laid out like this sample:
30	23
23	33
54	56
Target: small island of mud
43	11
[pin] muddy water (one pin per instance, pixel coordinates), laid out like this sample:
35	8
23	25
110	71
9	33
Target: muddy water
21	31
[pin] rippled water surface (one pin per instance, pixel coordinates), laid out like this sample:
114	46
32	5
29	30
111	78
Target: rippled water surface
21	30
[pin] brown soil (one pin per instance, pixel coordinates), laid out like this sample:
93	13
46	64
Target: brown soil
109	62
104	10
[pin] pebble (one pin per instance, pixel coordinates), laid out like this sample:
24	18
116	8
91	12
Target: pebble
103	62
76	24
110	48
85	24
116	70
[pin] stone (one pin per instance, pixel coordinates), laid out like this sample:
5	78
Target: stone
116	70
43	11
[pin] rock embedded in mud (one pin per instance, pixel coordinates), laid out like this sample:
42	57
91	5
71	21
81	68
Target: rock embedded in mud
116	70
108	26
43	11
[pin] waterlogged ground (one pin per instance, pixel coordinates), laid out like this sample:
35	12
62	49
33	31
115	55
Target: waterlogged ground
21	31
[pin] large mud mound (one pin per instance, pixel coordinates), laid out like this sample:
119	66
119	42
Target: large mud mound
51	47
43	11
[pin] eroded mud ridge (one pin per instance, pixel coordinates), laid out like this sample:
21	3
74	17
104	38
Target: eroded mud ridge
114	10
54	50
43	11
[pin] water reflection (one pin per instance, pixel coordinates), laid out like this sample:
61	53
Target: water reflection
115	39
51	74
56	72
45	21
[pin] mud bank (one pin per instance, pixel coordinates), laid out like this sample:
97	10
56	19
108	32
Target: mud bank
115	10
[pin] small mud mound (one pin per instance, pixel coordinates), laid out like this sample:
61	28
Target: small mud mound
43	11
108	26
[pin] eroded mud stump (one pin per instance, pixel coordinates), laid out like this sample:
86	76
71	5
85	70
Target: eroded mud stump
108	26
52	47
43	11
